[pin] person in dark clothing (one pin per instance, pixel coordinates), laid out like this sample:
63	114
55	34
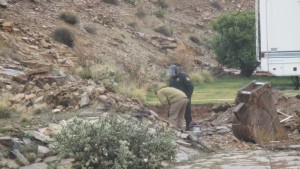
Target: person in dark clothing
181	81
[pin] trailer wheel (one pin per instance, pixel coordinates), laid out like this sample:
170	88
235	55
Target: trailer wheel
295	80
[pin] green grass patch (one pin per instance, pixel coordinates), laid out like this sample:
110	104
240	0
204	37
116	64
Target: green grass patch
225	89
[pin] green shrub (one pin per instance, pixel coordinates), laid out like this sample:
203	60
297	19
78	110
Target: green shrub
107	74
195	40
90	29
69	17
114	2
84	73
165	30
115	143
65	36
160	13
234	43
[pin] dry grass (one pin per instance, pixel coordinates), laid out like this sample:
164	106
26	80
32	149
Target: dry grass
69	17
183	58
196	77
5	107
39	109
64	35
165	30
25	117
133	91
85	58
141	12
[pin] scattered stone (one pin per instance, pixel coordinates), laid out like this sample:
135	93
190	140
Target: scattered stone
36	166
51	159
5	140
223	130
220	107
295	147
37	135
20	157
56	111
3	3
47	86
42	150
10	163
85	99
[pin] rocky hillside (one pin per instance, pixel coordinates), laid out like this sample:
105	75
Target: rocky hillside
43	80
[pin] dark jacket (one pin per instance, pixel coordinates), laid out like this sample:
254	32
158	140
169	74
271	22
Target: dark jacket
182	82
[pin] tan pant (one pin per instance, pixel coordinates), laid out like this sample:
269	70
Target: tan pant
176	112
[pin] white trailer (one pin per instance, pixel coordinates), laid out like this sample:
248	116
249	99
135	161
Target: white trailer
278	37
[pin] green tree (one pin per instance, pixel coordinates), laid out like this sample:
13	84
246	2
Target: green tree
234	43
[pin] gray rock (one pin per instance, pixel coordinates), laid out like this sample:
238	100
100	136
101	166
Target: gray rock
5	140
42	150
294	147
36	166
9	163
220	107
3	3
37	135
51	159
85	99
20	157
223	130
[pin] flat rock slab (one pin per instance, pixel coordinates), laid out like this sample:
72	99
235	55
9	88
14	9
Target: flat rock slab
36	166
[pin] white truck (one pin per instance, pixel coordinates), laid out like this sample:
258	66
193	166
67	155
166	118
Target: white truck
278	37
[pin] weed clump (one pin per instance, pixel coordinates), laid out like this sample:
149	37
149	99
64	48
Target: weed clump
165	30
160	13
114	142
114	2
200	77
195	40
69	17
141	13
132	2
5	109
65	36
163	3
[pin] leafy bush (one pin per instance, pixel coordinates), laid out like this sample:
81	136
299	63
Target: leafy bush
90	29
234	43
105	73
195	40
65	36
69	17
160	13
165	30
114	2
115	143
